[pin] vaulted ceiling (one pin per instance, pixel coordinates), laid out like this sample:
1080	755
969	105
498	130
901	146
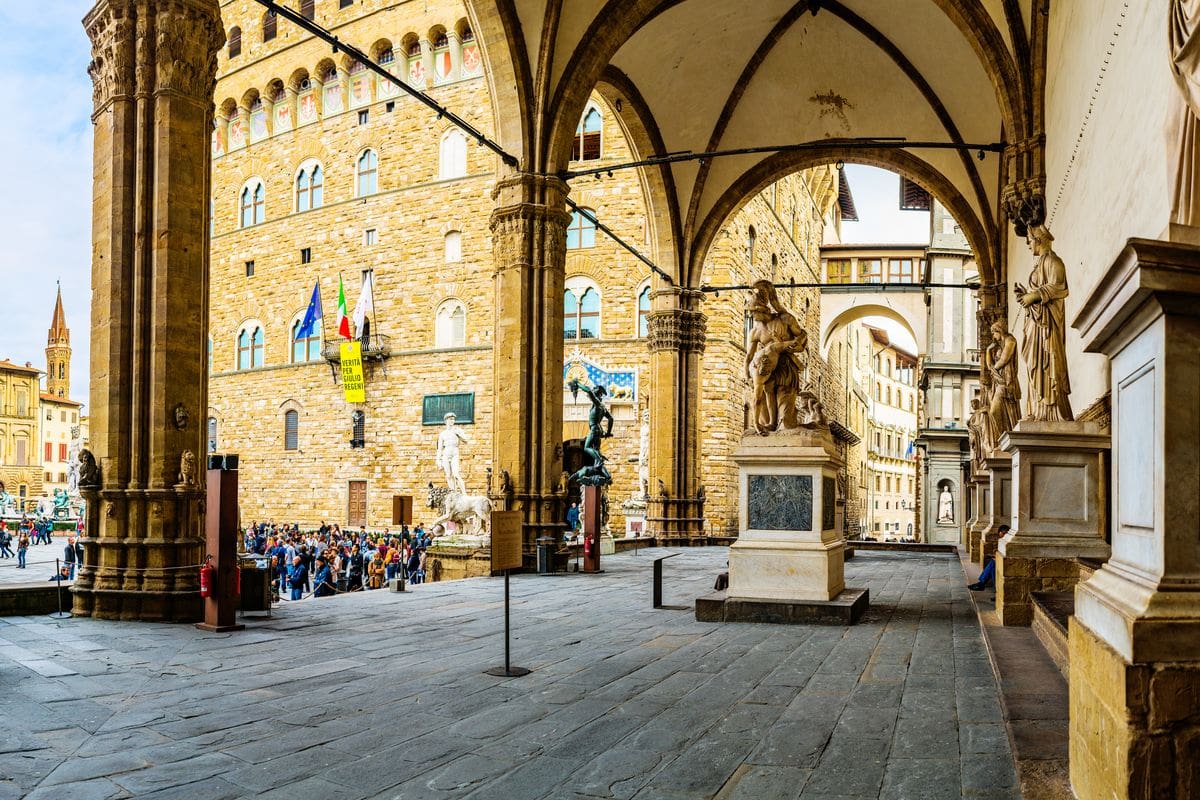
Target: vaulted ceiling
707	75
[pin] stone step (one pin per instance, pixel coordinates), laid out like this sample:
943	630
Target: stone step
1051	612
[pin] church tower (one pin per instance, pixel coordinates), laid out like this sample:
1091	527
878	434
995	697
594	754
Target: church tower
58	353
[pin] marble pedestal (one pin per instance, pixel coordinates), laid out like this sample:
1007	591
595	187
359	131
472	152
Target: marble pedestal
999	498
787	564
1135	636
981	502
1057	512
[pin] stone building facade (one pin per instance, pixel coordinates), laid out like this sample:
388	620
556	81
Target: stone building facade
20	468
322	172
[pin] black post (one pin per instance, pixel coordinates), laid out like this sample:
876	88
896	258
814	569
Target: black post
60	614
507	665
658	583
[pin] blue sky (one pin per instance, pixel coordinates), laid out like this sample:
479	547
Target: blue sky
47	139
47	135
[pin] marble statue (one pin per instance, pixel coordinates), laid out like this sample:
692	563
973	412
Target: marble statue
448	456
1000	364
1044	348
8	505
187	468
181	416
809	411
1184	41
89	470
644	454
470	513
945	506
45	507
773	361
979	434
73	477
594	474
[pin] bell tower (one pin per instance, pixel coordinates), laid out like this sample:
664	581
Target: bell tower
58	353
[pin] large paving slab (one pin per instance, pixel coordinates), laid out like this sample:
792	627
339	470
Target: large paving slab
383	695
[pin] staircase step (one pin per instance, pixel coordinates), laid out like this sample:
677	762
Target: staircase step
1051	612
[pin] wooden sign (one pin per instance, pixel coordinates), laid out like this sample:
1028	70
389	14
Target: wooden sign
506	540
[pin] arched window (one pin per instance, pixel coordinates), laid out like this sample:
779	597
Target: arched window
250	347
453	247
310	187
581	310
306	9
291	430
368	173
235	42
62	371
212	434
305	348
751	241
270	21
450	324
453	162
587	136
253	204
644	312
581	232
387	56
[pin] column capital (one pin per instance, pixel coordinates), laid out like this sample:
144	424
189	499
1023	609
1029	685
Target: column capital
676	329
1024	195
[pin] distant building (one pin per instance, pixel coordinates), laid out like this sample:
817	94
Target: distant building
61	426
20	470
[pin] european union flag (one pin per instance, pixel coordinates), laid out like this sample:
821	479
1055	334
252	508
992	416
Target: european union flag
313	315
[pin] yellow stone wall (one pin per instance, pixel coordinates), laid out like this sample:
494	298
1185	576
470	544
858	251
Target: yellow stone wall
19	408
412	212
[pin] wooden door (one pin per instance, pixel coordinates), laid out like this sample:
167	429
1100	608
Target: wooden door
356	514
402	509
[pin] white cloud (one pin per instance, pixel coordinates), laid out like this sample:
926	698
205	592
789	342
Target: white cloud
46	212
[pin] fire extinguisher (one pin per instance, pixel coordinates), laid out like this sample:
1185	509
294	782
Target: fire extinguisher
587	546
237	582
208	577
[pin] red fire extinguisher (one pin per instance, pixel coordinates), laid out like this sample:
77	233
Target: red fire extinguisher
237	582
587	546
208	578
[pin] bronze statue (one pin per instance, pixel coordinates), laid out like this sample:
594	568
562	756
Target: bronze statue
1044	348
595	474
1000	363
772	361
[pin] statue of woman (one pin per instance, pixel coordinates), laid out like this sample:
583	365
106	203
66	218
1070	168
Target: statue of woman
771	360
979	434
1001	364
1044	348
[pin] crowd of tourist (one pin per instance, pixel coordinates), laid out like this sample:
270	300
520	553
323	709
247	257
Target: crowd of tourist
328	560
28	533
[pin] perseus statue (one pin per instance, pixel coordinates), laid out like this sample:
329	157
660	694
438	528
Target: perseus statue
595	474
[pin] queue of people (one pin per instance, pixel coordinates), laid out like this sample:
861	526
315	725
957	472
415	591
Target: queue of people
329	561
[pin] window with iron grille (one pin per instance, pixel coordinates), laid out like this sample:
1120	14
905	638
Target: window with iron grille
291	430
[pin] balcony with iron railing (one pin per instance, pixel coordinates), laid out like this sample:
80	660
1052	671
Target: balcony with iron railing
375	347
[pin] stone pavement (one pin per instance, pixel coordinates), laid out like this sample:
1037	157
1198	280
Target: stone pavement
382	695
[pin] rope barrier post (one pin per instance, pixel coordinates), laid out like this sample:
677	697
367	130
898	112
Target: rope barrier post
60	614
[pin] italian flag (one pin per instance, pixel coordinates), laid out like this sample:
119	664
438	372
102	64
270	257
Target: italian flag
343	317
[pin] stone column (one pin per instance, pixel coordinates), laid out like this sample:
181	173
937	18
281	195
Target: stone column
529	228
153	68
1135	636
1058	512
999	495
675	512
455	55
981	489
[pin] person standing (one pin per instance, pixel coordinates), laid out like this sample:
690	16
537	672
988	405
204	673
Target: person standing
323	580
572	519
297	577
5	541
22	548
69	557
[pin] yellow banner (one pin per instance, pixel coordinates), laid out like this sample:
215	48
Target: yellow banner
353	385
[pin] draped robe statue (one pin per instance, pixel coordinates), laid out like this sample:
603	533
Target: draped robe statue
1044	348
1000	362
1184	38
775	365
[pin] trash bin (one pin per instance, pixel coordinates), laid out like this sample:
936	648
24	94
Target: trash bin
545	555
256	586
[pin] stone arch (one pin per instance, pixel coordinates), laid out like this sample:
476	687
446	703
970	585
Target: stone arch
835	317
981	234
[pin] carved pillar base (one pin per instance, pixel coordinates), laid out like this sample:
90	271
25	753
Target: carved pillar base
1057	512
1135	637
999	494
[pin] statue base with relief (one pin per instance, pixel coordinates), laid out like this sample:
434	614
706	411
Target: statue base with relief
787	564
